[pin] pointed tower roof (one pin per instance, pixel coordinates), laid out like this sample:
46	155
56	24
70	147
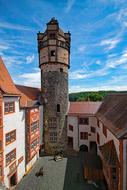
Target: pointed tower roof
6	82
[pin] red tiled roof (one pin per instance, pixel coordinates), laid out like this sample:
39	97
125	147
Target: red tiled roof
83	107
6	83
108	152
28	94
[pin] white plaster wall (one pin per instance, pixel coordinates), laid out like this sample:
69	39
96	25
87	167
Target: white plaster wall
77	142
31	163
109	137
87	128
41	124
20	144
74	122
13	121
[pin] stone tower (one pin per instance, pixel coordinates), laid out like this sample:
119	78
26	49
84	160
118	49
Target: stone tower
54	61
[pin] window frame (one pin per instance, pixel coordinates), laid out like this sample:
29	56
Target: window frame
52	53
52	122
34	144
52	35
9	155
84	135
61	70
7	106
11	139
34	127
93	129
71	128
53	137
84	121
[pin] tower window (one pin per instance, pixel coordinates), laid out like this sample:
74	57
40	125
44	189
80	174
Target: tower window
53	137
61	70
52	35
58	107
53	53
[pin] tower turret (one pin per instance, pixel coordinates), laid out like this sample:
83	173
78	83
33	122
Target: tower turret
54	61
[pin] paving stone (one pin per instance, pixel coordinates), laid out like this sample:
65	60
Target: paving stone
61	175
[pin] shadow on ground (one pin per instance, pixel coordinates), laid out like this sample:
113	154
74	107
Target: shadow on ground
74	174
66	174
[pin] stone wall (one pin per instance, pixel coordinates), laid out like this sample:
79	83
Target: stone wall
55	87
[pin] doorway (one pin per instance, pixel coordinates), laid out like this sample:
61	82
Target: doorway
70	142
93	147
83	148
13	180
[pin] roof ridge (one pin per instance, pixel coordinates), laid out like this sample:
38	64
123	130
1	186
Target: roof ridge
26	86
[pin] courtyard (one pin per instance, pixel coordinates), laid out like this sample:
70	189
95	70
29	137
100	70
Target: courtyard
66	174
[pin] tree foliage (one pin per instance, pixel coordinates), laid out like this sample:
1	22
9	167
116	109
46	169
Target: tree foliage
90	96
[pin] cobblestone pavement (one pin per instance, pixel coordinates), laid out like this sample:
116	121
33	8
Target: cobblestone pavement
63	175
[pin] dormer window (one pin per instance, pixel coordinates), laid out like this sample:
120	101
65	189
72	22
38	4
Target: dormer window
53	53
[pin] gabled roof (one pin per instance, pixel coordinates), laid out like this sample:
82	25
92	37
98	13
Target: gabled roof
113	114
83	108
6	83
29	95
109	154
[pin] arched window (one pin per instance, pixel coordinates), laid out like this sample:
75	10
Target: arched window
58	107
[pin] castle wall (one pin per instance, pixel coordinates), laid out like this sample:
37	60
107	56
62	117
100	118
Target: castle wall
55	85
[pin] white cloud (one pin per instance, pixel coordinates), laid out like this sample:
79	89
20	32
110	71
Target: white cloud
3	47
116	2
70	3
110	43
30	79
30	59
12	61
82	48
7	25
97	88
98	62
113	62
83	74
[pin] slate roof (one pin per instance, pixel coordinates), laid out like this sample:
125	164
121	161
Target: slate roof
113	114
6	83
29	95
109	154
77	108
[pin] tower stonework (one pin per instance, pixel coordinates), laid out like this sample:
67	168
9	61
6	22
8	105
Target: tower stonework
54	62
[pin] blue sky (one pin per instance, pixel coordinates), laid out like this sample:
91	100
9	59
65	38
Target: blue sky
98	47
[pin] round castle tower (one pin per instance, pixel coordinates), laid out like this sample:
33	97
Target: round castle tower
54	61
